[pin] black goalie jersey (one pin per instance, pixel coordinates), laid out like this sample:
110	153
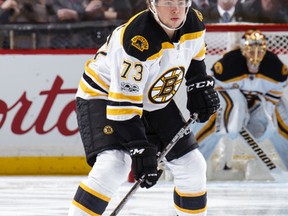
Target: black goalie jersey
135	70
232	72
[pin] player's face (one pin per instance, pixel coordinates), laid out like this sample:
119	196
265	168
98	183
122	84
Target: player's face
171	12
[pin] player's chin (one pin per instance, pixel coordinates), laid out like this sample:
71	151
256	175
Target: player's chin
174	25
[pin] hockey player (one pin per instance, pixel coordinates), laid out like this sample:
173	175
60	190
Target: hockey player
250	81
126	112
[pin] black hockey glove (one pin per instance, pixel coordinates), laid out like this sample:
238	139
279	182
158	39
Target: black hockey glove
202	98
144	162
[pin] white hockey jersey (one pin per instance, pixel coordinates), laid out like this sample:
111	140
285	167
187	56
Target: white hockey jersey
140	67
231	71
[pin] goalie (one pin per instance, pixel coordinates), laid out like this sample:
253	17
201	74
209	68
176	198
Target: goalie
250	81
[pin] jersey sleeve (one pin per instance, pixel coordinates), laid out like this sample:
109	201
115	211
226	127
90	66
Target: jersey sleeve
276	73
200	70
274	94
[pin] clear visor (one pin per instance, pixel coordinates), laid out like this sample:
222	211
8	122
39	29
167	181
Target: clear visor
168	3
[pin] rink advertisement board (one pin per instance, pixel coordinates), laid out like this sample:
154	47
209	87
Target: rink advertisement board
38	129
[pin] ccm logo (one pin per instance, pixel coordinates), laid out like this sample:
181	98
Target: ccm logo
136	151
200	85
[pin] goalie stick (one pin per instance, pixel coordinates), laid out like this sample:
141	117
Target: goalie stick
175	139
273	169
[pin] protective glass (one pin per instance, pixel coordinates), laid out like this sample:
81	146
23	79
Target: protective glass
170	3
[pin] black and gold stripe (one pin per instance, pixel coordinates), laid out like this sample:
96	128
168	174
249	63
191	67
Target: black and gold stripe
207	130
90	201
273	96
282	127
193	203
228	109
93	84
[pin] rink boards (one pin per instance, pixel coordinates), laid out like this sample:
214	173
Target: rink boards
38	127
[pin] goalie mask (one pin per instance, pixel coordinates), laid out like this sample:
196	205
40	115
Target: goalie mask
253	48
169	3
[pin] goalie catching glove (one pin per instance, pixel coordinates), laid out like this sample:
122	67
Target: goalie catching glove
202	98
144	163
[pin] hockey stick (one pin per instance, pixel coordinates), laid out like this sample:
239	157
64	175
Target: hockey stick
175	139
273	169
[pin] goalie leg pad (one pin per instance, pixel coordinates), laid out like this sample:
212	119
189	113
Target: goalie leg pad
280	138
208	146
207	135
281	113
281	146
227	121
260	123
234	112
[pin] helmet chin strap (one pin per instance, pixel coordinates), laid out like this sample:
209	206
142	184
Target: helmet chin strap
152	8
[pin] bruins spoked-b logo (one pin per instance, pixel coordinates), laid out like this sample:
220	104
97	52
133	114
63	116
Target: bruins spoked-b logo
108	130
166	86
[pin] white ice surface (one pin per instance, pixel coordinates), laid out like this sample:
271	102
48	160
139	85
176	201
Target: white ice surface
51	196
